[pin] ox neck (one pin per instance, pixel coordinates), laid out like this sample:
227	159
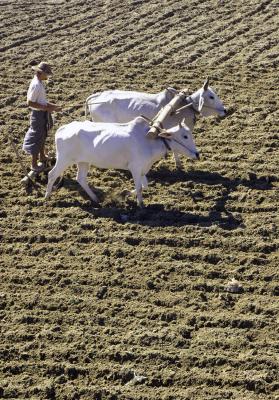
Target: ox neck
167	146
193	101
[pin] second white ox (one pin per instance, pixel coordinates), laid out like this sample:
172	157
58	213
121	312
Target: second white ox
117	146
123	106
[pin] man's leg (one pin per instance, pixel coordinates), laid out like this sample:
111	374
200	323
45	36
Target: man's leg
34	164
42	153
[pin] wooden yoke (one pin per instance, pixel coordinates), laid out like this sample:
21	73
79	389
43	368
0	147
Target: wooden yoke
157	122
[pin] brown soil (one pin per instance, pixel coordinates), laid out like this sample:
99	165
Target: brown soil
89	297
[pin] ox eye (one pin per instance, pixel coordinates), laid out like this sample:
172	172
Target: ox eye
185	137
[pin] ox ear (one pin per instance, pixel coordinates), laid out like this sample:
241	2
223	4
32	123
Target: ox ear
184	124
206	83
165	134
201	103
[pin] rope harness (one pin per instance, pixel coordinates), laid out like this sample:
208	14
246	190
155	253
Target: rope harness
168	148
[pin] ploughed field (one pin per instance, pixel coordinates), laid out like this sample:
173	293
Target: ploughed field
122	303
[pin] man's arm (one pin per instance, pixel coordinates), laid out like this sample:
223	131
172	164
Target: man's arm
48	107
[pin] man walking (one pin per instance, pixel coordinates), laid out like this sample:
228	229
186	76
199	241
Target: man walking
40	119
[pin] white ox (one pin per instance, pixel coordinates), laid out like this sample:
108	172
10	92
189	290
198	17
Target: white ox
123	106
118	146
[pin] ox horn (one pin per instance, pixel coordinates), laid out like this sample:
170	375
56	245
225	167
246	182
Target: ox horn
206	83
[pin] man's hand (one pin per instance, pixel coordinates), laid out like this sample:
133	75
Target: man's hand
53	107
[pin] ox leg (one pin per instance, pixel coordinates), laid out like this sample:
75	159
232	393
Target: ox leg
56	171
144	184
138	187
177	160
81	178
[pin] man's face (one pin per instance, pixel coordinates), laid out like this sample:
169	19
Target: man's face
43	76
